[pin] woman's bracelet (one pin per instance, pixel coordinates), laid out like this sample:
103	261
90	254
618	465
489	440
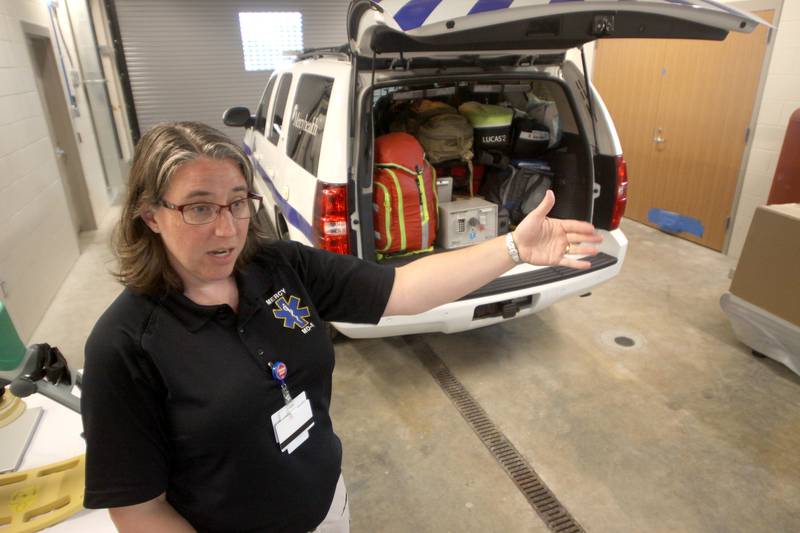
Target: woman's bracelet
511	246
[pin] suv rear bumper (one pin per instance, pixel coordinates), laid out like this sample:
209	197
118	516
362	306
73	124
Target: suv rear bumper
540	287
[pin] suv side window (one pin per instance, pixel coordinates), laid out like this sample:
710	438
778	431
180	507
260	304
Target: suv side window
261	114
307	122
279	108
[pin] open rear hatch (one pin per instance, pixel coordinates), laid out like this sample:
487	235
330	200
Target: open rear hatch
459	29
430	26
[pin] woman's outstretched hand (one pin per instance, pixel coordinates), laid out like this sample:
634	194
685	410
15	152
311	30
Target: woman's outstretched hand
549	241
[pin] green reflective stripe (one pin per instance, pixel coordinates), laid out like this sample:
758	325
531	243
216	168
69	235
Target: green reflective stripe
424	195
387	203
400	209
435	188
413	252
396	166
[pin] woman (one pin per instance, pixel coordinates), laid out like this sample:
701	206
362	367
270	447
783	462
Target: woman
191	420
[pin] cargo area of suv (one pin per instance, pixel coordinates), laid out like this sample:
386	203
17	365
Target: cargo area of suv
562	163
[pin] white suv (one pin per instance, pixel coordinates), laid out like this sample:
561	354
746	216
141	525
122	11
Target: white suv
312	137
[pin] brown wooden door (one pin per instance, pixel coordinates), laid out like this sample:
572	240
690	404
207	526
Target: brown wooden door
681	109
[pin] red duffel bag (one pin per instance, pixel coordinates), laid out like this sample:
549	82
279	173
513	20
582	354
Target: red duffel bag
404	196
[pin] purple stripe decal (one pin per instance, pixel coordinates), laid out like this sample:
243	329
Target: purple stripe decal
413	14
489	5
293	217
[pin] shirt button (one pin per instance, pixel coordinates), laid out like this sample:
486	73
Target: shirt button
260	351
241	330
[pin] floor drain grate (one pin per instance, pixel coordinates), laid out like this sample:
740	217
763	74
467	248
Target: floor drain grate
543	501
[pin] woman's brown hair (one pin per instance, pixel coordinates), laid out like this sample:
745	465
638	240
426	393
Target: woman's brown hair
143	264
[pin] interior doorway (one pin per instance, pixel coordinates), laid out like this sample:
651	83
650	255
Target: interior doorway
62	136
683	110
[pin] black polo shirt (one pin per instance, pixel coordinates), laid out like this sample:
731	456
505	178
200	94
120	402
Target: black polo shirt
177	397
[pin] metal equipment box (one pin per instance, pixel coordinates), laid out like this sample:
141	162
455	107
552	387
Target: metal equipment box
444	189
466	221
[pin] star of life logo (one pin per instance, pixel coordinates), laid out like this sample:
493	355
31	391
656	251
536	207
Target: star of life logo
289	310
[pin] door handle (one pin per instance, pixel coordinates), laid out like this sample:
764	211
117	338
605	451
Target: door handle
60	152
658	138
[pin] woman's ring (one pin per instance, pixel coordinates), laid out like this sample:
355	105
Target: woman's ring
569	245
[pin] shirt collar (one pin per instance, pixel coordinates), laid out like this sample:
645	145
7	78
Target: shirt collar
192	315
252	285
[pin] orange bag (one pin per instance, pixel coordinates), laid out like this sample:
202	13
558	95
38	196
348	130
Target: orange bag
404	196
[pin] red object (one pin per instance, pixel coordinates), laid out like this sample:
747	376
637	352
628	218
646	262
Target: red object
330	218
459	172
403	184
621	199
786	183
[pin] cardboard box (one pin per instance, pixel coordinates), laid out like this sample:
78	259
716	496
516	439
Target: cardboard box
768	273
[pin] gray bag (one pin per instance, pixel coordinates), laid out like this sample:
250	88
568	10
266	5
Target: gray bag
517	191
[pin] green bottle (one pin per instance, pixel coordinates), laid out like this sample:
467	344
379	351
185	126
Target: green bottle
12	350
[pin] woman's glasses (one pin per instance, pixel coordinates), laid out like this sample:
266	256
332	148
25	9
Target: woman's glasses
207	212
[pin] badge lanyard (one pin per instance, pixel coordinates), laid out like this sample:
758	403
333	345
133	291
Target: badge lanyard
279	372
293	421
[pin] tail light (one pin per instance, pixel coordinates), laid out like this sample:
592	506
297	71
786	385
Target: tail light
621	191
330	218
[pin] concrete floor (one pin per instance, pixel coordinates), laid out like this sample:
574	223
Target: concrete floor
684	431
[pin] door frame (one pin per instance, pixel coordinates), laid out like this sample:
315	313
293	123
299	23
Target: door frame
95	87
752	5
61	130
105	47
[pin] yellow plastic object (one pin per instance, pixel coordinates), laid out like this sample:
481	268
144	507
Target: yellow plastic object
11	408
40	497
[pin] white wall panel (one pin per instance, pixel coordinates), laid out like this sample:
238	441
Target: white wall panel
38	245
185	58
33	211
41	261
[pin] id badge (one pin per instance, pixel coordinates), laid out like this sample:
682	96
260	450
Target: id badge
292	423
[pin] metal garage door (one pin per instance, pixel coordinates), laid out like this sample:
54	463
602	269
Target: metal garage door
185	58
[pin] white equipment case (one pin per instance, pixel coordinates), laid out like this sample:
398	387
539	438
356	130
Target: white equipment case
466	221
